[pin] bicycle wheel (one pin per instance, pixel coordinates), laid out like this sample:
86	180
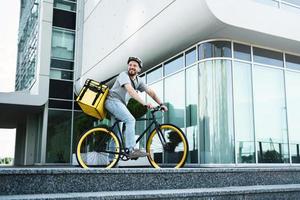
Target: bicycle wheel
98	148
173	153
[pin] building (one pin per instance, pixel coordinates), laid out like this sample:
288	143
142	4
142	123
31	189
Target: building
228	70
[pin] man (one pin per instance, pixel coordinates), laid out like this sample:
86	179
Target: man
126	84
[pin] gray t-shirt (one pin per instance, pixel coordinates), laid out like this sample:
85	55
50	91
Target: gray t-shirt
118	91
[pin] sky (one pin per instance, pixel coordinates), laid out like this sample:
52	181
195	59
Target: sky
9	23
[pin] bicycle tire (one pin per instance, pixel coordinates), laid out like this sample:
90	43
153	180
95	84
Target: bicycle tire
98	148
173	154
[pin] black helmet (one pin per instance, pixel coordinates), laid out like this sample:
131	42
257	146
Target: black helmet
136	59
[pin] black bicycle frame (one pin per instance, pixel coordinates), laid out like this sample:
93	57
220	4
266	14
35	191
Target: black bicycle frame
154	121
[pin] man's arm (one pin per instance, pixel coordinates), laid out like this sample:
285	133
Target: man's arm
153	95
131	91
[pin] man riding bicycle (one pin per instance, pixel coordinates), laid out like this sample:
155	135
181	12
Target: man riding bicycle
126	84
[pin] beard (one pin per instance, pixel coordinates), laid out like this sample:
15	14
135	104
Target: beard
132	72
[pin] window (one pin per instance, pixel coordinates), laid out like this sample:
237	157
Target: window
62	64
214	49
174	65
64	19
58	136
192	131
292	62
65	5
242	52
243	113
61	74
216	112
268	57
62	44
190	57
154	75
295	2
61	89
293	108
60	104
270	115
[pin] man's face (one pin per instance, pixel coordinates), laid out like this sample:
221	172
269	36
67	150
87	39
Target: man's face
133	68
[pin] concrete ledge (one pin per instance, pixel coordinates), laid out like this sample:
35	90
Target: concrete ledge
70	180
291	191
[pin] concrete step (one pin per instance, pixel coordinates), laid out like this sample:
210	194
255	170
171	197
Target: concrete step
69	180
266	192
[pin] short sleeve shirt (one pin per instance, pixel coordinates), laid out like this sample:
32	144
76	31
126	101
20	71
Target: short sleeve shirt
118	91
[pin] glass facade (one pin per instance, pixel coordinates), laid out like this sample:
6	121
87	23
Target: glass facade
236	103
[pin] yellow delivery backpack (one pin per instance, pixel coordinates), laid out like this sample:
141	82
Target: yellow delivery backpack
92	97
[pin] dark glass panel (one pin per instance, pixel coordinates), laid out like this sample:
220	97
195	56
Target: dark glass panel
64	19
292	62
61	64
61	89
214	49
60	104
268	57
242	52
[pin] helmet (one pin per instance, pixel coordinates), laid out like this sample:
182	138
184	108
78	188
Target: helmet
136	59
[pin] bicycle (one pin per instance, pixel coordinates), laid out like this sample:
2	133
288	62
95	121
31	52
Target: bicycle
166	145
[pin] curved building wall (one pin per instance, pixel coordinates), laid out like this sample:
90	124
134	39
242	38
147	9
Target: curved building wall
236	102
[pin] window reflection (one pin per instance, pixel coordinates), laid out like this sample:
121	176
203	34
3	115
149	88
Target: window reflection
270	115
190	57
174	98
243	115
192	131
292	62
214	49
62	44
293	107
154	75
58	136
216	114
268	57
242	52
174	65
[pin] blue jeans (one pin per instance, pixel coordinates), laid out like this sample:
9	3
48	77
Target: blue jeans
120	111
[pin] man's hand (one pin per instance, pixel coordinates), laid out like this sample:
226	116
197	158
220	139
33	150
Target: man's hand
164	108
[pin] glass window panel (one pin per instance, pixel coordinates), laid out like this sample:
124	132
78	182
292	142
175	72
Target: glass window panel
216	112
60	104
242	52
81	124
58	136
59	74
64	5
62	64
290	8
270	115
295	2
268	57
268	2
292	62
243	113
154	75
174	99
174	65
64	19
62	44
293	108
214	49
192	131
61	89
190	57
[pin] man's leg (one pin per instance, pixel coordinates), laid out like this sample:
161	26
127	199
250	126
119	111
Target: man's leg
120	111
